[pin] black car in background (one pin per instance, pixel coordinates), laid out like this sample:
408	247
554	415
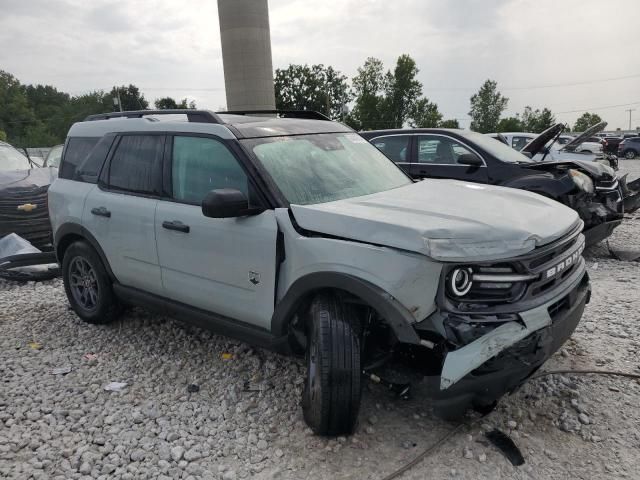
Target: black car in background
629	148
590	188
23	197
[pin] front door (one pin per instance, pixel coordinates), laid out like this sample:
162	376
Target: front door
222	265
397	148
436	156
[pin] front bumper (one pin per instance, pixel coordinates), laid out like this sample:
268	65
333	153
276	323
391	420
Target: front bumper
546	328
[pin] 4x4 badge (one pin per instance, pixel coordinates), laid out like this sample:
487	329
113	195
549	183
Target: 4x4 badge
254	277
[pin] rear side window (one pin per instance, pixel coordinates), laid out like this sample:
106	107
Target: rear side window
395	147
136	164
75	151
200	165
89	169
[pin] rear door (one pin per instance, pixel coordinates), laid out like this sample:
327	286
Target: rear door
397	148
120	210
436	156
222	265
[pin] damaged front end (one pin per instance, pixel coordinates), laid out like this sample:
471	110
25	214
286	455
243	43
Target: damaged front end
498	323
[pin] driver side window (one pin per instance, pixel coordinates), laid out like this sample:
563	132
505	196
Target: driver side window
439	150
200	165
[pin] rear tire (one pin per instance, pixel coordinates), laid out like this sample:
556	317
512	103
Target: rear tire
630	154
331	398
88	286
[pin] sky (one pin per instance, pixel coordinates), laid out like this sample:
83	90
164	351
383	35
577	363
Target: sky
568	55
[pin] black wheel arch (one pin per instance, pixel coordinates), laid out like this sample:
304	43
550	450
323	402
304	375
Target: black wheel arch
305	288
68	233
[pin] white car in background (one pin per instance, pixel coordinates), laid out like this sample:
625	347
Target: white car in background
519	140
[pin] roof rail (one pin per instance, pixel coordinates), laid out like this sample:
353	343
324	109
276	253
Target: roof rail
307	114
197	116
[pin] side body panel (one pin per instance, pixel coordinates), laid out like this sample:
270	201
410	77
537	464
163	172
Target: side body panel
410	278
66	202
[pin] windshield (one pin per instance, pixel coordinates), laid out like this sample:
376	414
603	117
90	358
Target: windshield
496	148
12	159
322	168
53	159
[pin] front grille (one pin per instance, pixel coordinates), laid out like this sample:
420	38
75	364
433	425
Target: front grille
31	225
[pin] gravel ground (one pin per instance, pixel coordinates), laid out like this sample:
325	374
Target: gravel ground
244	420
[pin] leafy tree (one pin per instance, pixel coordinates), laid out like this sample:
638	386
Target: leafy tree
402	92
168	103
315	87
368	86
537	121
15	113
585	121
452	123
486	107
425	114
3	136
510	124
130	97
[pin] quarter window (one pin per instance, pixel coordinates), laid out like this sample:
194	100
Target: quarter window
203	164
520	142
395	147
440	150
74	153
135	165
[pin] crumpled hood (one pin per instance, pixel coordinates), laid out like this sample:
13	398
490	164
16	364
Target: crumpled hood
596	170
446	220
25	179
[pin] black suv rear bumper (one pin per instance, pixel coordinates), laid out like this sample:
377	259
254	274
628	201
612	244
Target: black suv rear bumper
509	369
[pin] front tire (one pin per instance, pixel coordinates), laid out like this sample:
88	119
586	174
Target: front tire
331	398
630	154
87	285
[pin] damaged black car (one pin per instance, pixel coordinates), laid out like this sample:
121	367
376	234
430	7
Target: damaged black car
592	189
23	197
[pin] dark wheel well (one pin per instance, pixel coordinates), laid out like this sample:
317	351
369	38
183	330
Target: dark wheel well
64	243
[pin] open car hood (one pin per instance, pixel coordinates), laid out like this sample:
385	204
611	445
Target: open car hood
589	132
537	144
446	220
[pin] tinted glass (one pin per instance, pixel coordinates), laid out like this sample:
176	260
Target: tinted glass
12	159
520	142
75	151
396	147
495	148
89	169
321	168
135	164
54	156
200	165
440	150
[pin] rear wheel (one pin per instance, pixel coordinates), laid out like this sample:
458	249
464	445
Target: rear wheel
331	398
630	154
87	285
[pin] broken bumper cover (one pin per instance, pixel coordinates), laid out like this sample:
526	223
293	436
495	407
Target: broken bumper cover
464	384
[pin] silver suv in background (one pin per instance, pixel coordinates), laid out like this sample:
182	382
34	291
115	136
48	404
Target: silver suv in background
295	234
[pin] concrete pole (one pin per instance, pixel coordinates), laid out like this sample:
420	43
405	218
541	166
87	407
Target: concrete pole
246	54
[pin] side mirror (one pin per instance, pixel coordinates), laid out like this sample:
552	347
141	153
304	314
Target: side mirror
227	203
469	159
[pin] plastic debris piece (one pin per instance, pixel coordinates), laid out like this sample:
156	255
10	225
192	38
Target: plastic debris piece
35	345
193	388
595	266
227	356
503	443
61	370
115	386
90	356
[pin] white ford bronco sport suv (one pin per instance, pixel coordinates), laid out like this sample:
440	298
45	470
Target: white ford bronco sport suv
294	233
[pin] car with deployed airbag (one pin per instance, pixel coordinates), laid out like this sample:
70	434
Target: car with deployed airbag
291	232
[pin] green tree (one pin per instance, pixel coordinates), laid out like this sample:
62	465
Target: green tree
486	107
15	113
537	121
130	97
452	123
510	124
402	92
3	136
168	103
424	114
316	87
585	121
368	86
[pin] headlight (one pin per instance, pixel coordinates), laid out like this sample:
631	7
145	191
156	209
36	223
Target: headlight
582	181
460	281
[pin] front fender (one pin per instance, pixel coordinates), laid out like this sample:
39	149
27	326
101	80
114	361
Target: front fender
546	185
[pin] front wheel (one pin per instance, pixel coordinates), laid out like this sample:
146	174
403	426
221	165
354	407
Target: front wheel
630	154
331	398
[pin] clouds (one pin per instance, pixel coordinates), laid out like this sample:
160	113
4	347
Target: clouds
173	48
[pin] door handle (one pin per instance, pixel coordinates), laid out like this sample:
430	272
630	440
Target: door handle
101	212
176	225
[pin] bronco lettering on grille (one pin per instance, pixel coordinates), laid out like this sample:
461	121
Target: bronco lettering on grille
564	264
